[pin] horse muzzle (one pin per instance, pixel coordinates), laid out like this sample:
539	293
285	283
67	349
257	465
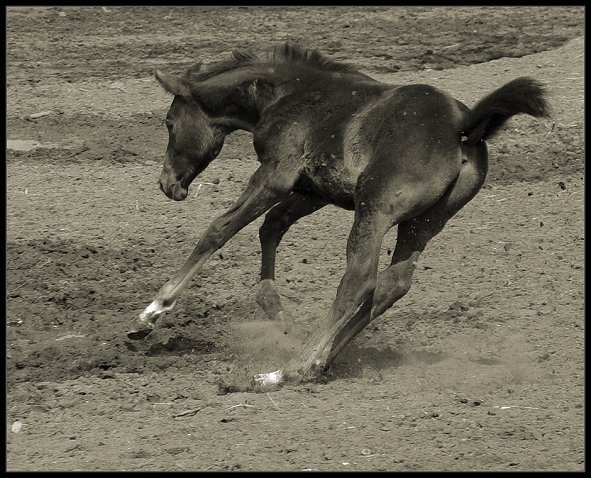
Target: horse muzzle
175	191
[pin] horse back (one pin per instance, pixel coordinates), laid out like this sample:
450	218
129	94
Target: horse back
339	130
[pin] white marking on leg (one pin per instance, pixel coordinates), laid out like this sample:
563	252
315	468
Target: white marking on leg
271	378
152	311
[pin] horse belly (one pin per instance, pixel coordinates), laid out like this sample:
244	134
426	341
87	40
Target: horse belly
333	184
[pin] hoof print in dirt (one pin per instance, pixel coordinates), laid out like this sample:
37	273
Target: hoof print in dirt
138	334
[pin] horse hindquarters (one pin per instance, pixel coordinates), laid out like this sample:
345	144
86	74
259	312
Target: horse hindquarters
413	235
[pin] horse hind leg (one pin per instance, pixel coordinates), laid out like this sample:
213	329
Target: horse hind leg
413	236
277	221
362	295
392	283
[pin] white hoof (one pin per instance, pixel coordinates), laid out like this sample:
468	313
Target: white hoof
271	378
152	311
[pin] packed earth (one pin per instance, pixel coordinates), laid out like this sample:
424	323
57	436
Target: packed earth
479	367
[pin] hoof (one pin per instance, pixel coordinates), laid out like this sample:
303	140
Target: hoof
268	379
151	313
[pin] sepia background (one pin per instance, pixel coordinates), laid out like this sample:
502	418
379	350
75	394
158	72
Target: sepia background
479	367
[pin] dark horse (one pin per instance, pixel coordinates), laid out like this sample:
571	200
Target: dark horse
406	155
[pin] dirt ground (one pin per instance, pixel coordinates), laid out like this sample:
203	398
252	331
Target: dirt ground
479	367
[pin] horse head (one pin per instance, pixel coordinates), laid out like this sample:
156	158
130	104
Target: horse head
194	137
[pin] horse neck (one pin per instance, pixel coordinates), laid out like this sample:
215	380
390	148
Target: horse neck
266	84
238	98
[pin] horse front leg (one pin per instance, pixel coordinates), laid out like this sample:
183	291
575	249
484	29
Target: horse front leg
266	187
277	221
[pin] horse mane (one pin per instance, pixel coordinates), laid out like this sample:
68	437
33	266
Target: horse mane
287	53
291	54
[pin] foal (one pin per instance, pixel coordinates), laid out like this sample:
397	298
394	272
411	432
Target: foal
406	155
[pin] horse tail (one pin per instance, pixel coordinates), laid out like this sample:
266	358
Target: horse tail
522	95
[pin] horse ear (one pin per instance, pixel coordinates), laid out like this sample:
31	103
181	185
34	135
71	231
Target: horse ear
175	85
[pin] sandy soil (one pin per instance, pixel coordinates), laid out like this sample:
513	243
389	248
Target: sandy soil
479	367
